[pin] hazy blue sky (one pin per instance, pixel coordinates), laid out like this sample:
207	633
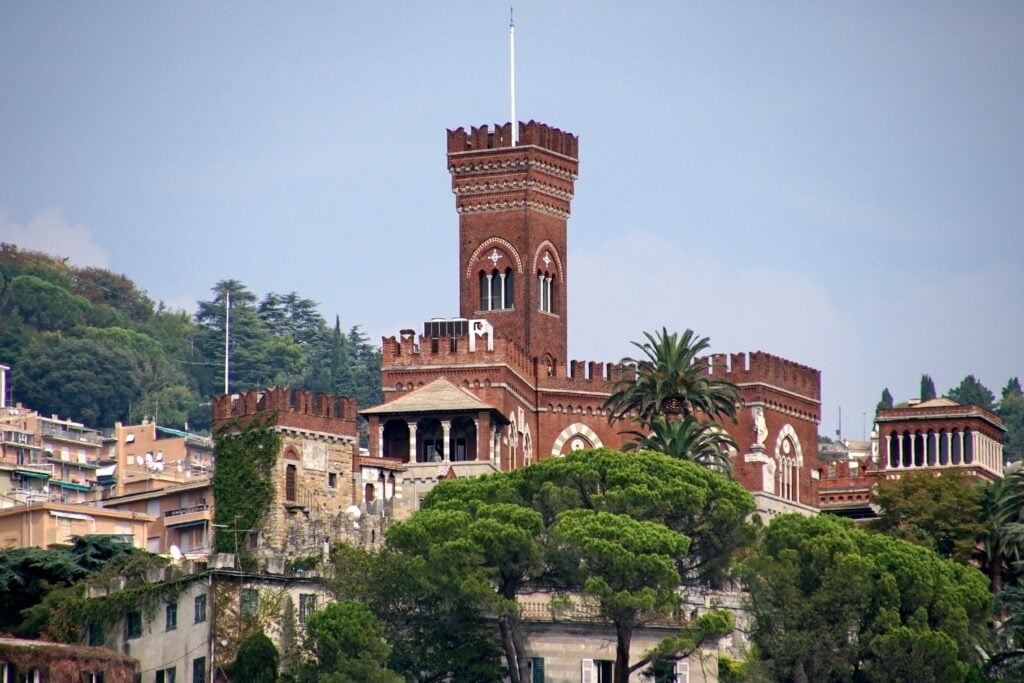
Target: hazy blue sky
838	183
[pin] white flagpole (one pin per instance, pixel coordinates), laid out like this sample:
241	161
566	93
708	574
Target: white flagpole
512	74
227	339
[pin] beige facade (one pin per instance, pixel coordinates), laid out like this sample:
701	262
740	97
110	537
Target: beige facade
182	514
54	525
150	457
195	632
48	458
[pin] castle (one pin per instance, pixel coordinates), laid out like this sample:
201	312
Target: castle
493	390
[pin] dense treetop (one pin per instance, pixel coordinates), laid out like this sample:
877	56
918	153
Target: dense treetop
87	344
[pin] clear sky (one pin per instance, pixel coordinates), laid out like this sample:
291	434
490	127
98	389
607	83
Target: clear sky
838	183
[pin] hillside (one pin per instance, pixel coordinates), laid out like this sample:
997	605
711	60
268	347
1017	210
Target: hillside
88	344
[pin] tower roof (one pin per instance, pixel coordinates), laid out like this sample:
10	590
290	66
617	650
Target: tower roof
438	396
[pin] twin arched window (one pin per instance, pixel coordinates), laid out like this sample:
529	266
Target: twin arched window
545	291
497	290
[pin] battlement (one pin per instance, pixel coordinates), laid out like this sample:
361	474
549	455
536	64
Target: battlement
410	350
531	133
760	367
293	408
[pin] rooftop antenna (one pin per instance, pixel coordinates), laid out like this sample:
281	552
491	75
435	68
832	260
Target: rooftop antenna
512	74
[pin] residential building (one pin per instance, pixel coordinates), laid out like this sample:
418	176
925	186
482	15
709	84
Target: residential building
54	525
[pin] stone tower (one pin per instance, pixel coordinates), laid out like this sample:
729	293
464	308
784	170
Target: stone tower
513	204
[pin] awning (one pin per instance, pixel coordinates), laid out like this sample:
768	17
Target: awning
69	485
181	525
71	515
32	474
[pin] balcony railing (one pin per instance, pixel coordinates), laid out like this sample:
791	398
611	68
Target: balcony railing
76	435
186	511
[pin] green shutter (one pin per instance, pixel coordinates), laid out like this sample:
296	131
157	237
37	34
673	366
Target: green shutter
538	669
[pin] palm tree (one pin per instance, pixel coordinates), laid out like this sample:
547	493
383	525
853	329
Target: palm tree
699	441
1003	549
671	380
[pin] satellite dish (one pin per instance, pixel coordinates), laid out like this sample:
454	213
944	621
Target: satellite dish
149	457
139	461
159	456
180	468
160	466
176	553
353	512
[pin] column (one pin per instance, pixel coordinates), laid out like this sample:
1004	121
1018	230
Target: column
962	452
949	448
490	292
446	428
479	437
899	438
540	292
380	439
888	451
414	447
501	304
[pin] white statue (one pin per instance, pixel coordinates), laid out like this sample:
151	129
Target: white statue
760	427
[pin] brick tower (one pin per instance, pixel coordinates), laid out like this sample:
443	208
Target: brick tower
513	204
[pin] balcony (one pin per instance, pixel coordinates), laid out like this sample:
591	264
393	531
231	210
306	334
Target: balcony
75	435
195	514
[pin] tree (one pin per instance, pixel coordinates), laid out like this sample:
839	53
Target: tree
256	661
972	392
483	549
699	441
885	402
671	379
83	378
1007	660
345	639
829	601
941	512
437	634
628	565
44	305
1002	549
1011	411
927	388
248	340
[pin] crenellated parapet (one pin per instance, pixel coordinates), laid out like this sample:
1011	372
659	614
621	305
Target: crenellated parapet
490	175
758	367
293	408
531	133
580	376
411	351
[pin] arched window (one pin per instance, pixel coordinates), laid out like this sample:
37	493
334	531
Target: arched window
289	483
545	291
497	290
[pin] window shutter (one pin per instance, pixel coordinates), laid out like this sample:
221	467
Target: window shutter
588	675
683	671
538	669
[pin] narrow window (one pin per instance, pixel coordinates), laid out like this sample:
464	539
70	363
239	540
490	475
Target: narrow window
509	290
132	625
249	602
171	621
289	483
199	670
200	611
307	605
